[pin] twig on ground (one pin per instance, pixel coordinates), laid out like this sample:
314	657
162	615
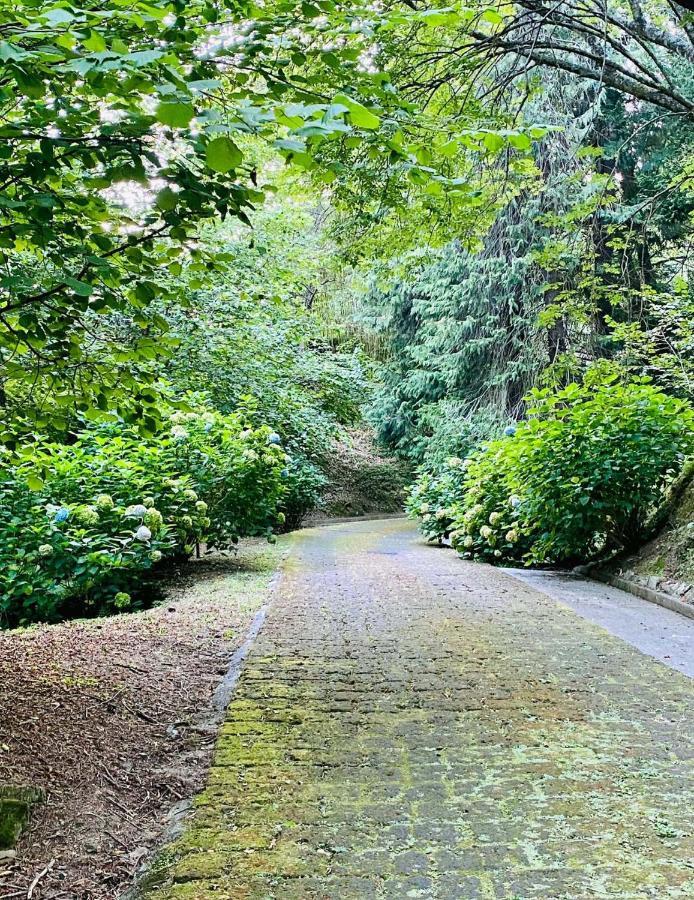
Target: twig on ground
37	879
120	806
110	777
128	666
140	714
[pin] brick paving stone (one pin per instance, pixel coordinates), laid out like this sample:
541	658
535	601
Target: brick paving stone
411	725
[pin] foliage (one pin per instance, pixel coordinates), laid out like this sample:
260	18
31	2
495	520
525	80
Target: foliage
237	347
434	497
589	263
304	482
124	131
257	338
81	523
463	352
577	479
643	50
121	132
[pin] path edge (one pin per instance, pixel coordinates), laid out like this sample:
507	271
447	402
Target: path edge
152	873
637	590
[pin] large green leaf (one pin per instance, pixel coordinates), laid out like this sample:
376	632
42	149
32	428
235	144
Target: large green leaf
222	155
175	115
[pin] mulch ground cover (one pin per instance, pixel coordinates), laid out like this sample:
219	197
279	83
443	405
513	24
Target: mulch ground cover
113	719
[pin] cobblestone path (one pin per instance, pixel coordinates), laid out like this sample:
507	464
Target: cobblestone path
411	725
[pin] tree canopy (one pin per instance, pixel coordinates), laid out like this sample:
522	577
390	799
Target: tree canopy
262	206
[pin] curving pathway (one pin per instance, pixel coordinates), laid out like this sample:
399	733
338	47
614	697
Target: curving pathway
409	725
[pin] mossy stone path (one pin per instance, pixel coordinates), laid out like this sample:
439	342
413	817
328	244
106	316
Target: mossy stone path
410	725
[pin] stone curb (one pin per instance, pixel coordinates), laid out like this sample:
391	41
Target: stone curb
638	590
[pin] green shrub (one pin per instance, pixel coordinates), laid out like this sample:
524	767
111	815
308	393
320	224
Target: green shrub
577	480
107	508
433	498
304	483
486	522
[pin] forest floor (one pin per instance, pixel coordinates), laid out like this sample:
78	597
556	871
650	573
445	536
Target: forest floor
666	562
409	725
114	718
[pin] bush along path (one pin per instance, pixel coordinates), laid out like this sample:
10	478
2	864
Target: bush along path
413	725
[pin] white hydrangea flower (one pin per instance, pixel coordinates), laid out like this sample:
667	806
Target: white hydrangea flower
143	534
179	433
469	541
104	501
46	550
486	532
455	462
190	494
155	555
424	508
512	536
494	518
136	511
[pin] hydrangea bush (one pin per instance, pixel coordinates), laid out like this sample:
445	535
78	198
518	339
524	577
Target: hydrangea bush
578	479
81	524
434	497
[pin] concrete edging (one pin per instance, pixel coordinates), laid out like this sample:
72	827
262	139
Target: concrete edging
640	590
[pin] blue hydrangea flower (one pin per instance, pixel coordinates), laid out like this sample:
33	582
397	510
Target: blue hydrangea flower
510	430
274	438
62	515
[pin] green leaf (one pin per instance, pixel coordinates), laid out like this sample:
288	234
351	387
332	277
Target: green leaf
175	115
166	199
358	113
520	141
81	288
492	141
34	483
57	16
492	16
95	42
223	155
8	52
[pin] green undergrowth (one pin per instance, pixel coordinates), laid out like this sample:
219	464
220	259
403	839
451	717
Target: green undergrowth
360	479
669	554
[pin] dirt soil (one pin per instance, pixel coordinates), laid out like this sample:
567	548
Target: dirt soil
666	563
113	719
